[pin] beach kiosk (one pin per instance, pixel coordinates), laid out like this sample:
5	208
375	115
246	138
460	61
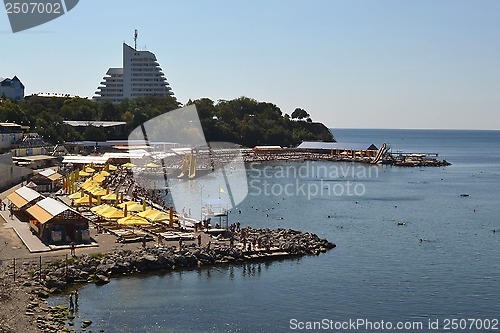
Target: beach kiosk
47	180
216	210
56	223
23	198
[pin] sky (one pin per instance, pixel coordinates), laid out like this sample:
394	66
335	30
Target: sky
350	64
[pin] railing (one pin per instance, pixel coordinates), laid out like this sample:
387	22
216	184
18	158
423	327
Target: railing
14	268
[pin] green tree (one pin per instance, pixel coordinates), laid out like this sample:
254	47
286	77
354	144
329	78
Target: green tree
300	114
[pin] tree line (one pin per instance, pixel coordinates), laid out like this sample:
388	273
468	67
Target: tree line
242	120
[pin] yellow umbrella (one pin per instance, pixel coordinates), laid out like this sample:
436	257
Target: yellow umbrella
104	173
90	187
113	214
89	170
110	197
83	174
151	165
127	165
98	192
98	178
154	215
127	203
111	167
136	207
89	182
132	206
74	196
105	208
98	208
84	200
133	220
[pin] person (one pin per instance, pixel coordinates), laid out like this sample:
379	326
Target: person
72	247
180	243
144	242
71	304
76	299
199	240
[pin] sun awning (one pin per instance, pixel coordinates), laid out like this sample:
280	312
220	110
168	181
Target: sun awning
17	200
47	209
22	196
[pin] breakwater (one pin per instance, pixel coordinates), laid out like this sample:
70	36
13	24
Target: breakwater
98	269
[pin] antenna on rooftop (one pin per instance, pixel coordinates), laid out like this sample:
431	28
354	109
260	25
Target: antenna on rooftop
136	34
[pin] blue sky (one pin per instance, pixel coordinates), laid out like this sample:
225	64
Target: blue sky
356	64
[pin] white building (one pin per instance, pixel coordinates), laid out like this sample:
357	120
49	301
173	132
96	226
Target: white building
140	76
11	88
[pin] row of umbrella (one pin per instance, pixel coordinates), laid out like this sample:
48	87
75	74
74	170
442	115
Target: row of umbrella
144	217
92	193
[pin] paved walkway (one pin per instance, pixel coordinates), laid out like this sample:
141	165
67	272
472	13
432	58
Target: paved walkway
22	229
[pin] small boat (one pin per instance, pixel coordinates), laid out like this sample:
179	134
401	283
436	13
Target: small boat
464	195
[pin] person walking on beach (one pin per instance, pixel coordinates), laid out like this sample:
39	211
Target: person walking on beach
199	240
72	247
144	242
71	304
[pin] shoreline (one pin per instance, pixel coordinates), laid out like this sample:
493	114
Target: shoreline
33	286
28	279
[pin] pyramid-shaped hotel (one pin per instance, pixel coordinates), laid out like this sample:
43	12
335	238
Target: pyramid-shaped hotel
141	75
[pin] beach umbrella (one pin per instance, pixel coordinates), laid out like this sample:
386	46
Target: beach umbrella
128	165
85	200
98	208
113	214
74	196
132	206
89	170
133	220
126	203
111	167
154	215
110	197
98	178
137	207
151	165
83	174
98	192
103	208
104	173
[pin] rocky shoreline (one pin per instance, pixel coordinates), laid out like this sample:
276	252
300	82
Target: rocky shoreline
99	268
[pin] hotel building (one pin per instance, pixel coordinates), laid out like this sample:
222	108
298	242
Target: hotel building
140	76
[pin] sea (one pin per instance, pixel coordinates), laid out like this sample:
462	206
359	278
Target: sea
417	250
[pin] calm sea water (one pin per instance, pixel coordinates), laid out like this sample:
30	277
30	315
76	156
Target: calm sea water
379	271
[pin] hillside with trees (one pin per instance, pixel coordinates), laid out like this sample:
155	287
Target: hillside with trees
243	120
